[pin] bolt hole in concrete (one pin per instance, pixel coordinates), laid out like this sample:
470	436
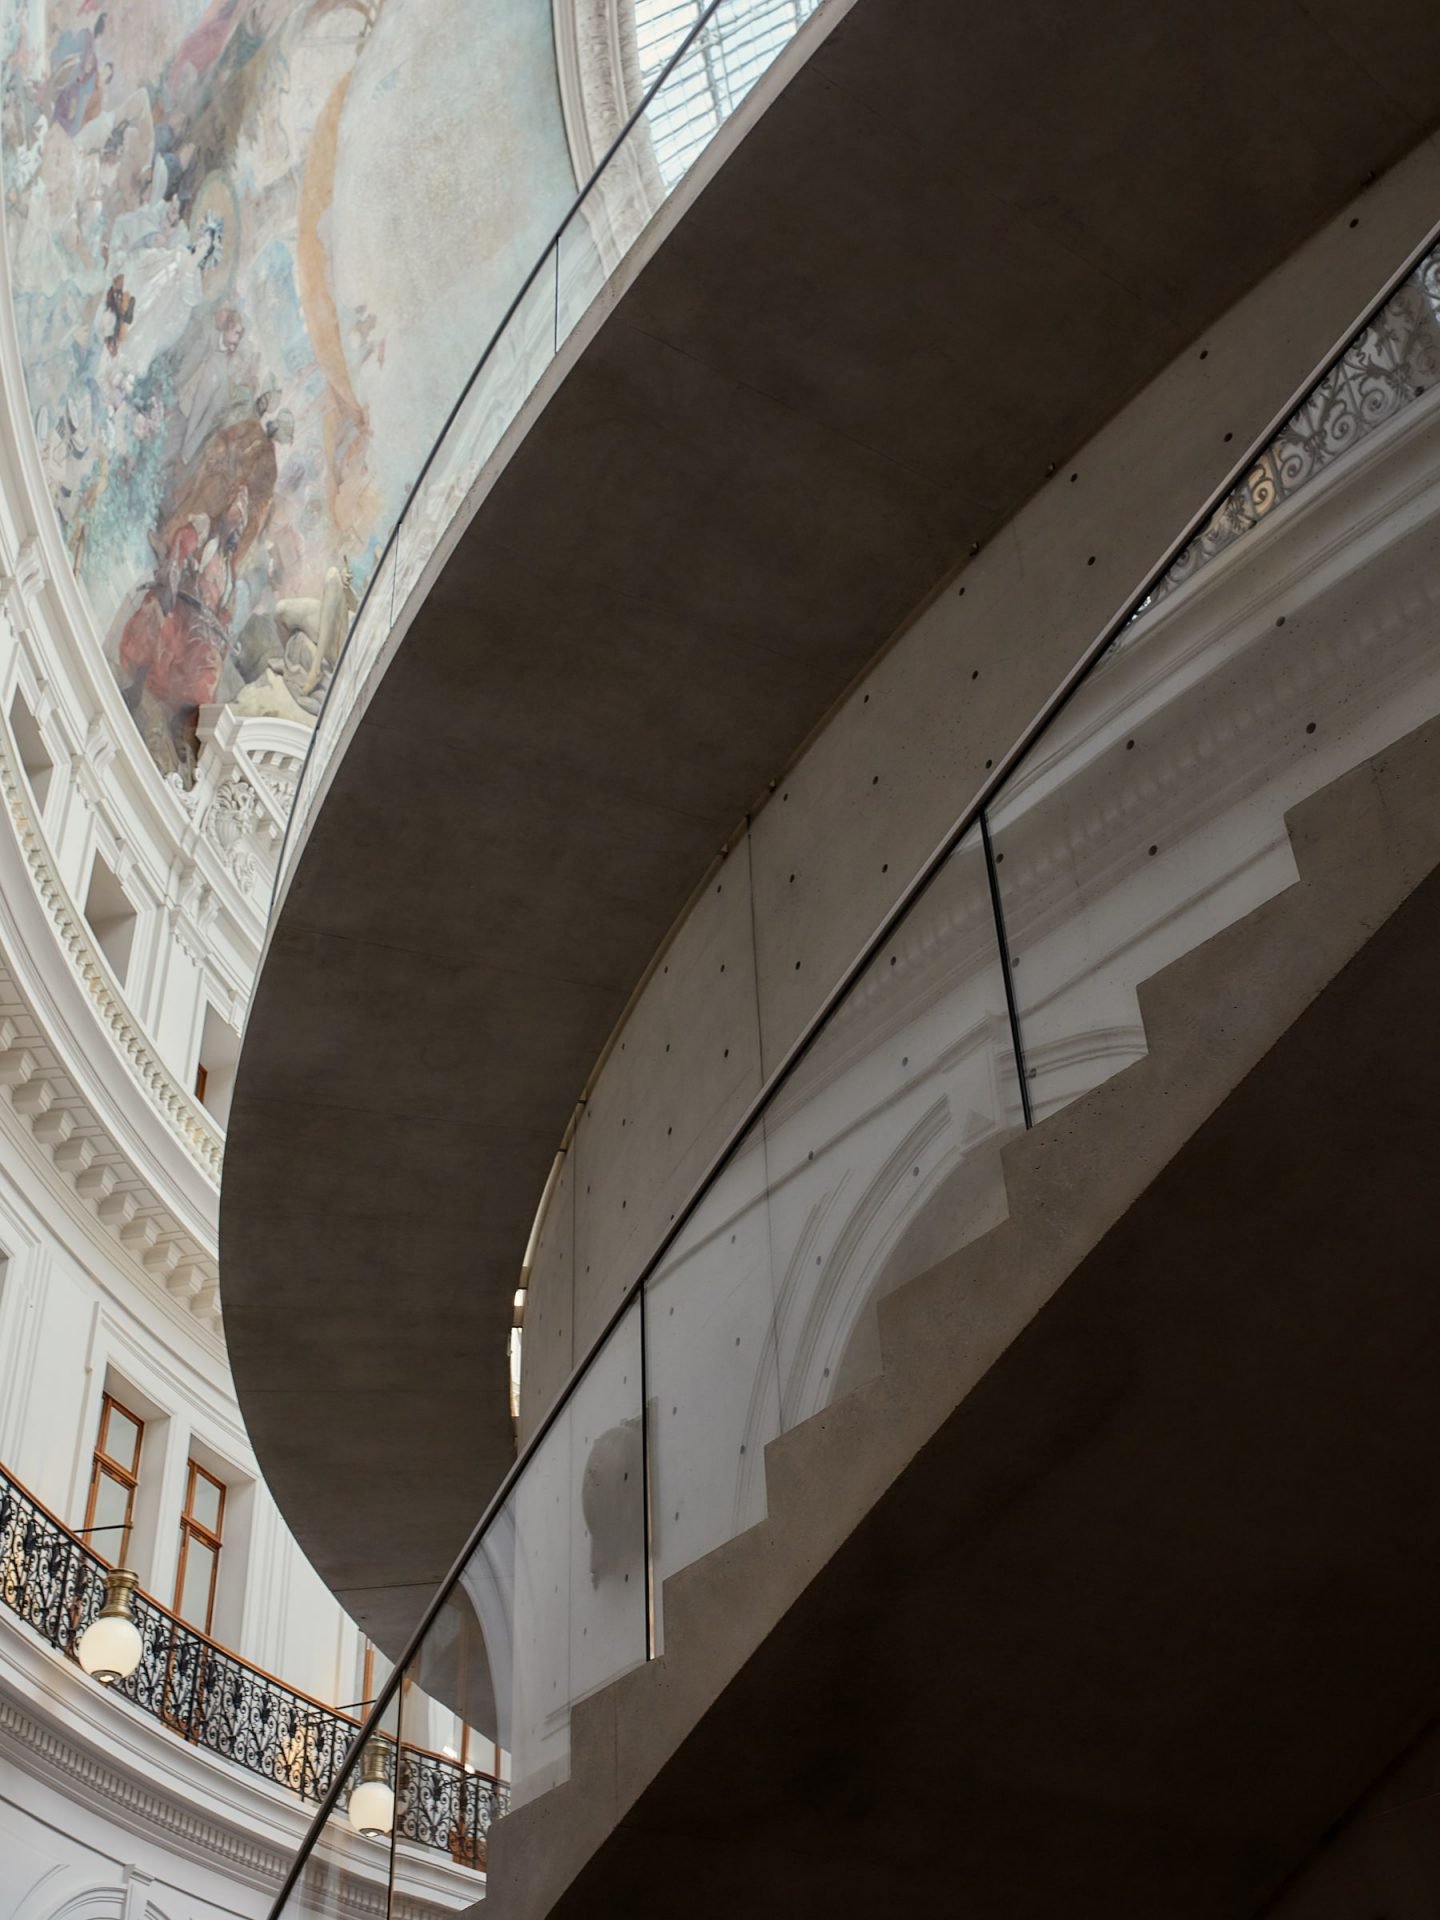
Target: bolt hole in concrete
1154	849
1204	353
1354	223
1091	561
976	674
1129	746
884	866
1229	436
1311	727
1281	621
1073	478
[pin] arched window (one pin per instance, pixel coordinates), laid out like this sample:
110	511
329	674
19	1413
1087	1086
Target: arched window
610	52
716	74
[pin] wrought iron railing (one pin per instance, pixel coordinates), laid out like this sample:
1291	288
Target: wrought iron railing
1392	361
208	1696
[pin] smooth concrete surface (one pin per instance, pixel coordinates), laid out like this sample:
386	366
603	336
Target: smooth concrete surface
950	250
1383	1859
1115	1589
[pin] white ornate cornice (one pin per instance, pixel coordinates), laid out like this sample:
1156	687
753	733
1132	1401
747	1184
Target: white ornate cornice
110	1188
99	1752
188	1120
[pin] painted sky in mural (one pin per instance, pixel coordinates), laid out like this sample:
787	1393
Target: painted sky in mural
255	248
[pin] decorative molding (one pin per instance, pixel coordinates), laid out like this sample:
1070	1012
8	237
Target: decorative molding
66	1132
70	1766
51	1753
188	1120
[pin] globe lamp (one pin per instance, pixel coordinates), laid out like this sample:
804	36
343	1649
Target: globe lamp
372	1804
109	1648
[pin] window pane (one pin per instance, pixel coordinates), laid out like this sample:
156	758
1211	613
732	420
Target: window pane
205	1502
193	1601
111	1503
122	1438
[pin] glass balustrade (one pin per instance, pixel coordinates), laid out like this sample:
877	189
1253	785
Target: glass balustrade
704	61
1145	814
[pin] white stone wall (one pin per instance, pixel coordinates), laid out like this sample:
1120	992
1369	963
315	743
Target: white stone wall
109	1185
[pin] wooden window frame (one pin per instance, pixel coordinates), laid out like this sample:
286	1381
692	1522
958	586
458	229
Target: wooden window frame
191	1528
104	1465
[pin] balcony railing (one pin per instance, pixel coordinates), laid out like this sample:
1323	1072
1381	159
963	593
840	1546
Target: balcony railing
207	1696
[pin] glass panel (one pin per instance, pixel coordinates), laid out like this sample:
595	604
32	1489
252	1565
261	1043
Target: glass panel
580	1601
192	1603
879	1157
112	1506
713	1391
348	1870
205	1501
551	1606
122	1438
1152	813
500	388
883	1149
449	1792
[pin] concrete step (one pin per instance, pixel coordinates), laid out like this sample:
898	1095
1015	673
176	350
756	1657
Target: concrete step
1362	846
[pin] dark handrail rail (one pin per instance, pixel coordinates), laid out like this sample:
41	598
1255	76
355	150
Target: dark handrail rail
760	1103
210	1696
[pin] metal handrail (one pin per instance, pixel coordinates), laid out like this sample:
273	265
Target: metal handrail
210	1697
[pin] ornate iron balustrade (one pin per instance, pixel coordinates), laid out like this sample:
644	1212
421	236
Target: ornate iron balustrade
209	1697
1391	361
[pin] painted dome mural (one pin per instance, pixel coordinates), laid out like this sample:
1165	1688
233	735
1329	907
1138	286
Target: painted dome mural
254	250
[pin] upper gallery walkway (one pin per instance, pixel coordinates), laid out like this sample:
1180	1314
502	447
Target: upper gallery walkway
925	263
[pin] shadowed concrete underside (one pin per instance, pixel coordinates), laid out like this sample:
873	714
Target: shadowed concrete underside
1151	1607
935	265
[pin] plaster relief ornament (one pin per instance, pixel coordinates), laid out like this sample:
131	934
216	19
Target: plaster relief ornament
243	320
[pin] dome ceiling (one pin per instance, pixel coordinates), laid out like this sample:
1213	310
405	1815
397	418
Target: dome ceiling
254	251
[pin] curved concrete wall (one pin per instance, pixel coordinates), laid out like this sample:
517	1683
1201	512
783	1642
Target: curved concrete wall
827	852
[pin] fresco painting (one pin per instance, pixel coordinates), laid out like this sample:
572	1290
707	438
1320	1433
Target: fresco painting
255	248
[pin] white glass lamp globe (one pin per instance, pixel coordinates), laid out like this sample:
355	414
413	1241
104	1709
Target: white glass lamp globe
110	1647
371	1809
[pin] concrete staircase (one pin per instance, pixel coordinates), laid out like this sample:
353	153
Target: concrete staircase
1121	1580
